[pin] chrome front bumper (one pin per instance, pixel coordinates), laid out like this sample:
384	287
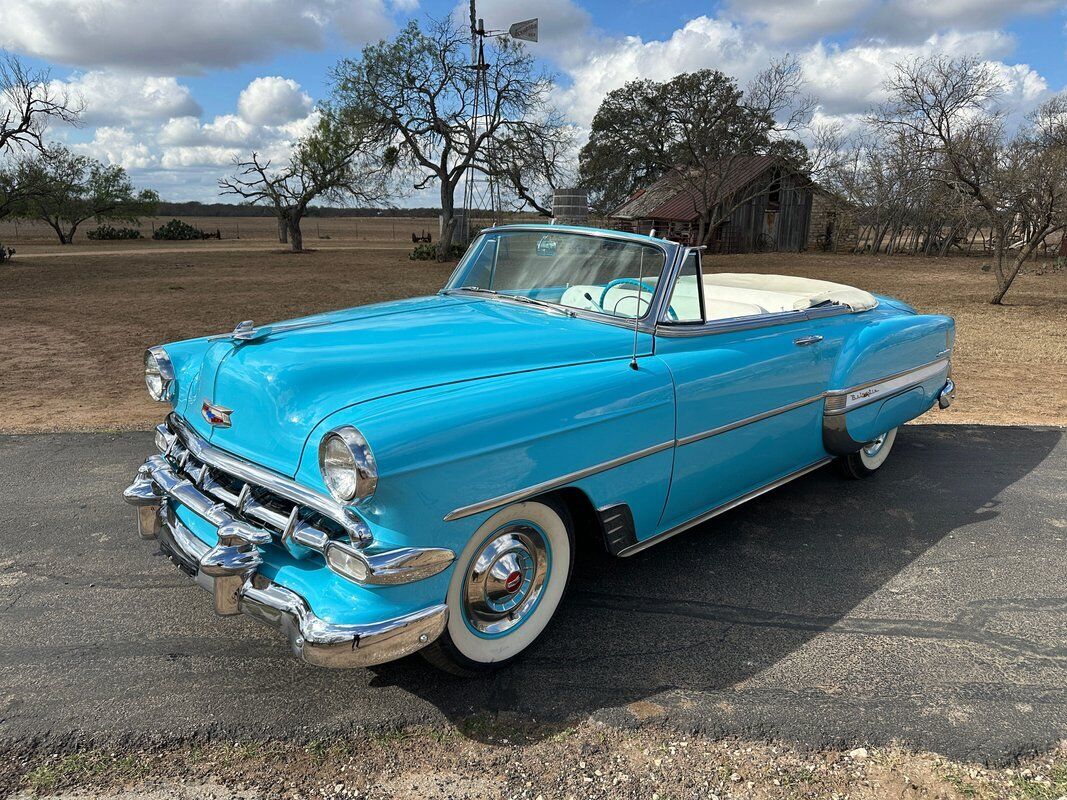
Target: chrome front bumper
229	573
229	570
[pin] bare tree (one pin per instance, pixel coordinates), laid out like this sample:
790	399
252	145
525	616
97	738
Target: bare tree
335	162
533	160
947	111
28	103
419	91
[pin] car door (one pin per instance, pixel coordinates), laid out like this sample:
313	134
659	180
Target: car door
749	392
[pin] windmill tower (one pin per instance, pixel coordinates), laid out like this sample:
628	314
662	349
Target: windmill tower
481	191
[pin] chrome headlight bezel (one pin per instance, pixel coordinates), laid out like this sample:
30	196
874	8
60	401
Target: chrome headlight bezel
158	374
347	465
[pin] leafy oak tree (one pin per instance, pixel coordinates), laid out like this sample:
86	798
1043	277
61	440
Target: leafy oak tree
66	189
701	128
418	92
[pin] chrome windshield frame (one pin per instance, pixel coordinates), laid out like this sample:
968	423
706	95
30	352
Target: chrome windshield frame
647	323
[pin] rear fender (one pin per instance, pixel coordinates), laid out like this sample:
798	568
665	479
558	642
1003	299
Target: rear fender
887	373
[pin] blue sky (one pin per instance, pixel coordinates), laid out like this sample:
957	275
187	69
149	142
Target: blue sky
174	90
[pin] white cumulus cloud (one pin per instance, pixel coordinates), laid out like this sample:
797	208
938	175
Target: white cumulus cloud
848	80
891	21
183	37
800	19
273	101
119	146
112	98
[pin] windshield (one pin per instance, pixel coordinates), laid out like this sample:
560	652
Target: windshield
563	269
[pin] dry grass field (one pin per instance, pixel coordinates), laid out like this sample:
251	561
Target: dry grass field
75	320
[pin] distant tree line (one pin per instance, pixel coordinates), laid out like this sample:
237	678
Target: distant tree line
943	156
194	208
941	161
935	165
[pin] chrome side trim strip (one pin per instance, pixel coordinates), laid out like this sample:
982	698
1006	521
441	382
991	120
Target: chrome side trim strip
555	483
841	401
252	473
696	437
644	545
835	401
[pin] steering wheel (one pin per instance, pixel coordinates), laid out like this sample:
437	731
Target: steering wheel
641	285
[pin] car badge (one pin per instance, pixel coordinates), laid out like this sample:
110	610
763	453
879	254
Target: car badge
513	582
219	416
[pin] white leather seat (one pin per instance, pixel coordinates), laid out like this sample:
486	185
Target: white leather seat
686	304
784	292
727	295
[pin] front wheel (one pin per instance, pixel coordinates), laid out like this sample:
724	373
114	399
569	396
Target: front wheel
506	586
870	457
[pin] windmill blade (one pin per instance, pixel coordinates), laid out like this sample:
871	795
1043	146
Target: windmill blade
525	30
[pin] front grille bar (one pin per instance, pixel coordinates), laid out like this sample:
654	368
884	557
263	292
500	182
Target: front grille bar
206	464
252	507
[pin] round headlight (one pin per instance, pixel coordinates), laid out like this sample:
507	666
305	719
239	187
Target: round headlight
347	465
158	373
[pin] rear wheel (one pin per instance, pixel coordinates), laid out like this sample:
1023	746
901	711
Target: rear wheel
506	586
869	458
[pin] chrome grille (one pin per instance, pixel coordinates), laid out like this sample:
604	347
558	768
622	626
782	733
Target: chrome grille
301	529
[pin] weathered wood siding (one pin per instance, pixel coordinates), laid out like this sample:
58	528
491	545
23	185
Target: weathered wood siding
760	224
766	220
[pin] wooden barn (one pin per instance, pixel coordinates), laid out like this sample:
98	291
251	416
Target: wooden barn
767	205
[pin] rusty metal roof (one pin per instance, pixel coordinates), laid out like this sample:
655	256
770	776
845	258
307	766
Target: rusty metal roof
669	198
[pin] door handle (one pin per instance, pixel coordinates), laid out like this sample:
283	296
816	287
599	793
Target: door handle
803	341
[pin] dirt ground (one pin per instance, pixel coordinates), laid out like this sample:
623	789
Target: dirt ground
74	321
490	763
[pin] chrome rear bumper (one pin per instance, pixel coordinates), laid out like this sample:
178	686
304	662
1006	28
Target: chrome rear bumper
228	571
947	394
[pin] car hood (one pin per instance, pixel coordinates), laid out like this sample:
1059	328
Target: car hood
282	383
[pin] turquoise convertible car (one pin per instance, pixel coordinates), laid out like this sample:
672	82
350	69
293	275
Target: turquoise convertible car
413	476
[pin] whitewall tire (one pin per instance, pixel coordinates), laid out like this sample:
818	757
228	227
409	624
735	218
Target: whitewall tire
505	587
870	457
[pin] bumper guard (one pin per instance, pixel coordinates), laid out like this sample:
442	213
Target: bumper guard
229	571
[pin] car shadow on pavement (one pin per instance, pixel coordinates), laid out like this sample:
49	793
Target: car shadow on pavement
818	611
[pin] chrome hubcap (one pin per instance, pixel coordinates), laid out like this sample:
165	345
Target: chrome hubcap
505	579
874	447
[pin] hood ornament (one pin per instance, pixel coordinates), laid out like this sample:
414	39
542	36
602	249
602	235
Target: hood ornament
244	331
217	416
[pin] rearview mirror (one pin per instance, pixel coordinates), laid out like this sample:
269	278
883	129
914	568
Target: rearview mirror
547	246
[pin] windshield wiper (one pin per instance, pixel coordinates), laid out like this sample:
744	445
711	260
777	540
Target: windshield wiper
477	289
518	298
533	301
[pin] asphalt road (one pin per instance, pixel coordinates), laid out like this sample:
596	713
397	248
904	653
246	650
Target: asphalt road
928	606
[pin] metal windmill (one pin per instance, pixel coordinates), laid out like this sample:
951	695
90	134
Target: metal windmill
481	190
